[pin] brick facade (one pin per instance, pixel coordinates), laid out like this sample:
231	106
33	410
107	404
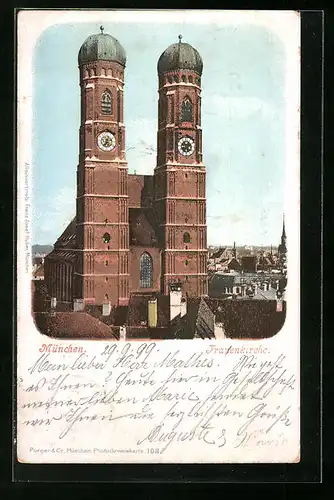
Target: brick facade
119	216
102	232
180	198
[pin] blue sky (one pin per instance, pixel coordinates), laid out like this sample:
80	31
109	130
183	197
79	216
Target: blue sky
243	114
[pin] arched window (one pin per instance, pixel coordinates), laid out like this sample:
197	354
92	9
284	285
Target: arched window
146	268
186	110
186	238
106	238
106	103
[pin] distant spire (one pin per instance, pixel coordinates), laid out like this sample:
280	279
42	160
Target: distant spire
283	230
234	251
282	249
102	29
180	38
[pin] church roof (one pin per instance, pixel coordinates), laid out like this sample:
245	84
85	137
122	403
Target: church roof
142	225
59	254
72	325
140	190
67	238
102	47
180	56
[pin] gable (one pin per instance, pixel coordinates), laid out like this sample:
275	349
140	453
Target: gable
142	229
140	190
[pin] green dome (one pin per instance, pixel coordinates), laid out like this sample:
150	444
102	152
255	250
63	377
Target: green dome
102	47
180	56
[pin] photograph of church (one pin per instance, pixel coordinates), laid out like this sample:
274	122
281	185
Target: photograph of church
133	261
134	233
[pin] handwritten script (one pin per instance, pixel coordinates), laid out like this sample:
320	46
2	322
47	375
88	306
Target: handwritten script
159	399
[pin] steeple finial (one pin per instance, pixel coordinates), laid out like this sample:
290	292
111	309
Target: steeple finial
283	230
102	29
180	38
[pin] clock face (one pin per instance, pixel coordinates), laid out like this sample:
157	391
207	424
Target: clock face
106	141
186	146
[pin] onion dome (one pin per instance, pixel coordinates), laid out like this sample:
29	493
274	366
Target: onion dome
102	47
180	56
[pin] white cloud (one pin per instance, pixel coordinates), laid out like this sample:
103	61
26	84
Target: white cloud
141	145
240	107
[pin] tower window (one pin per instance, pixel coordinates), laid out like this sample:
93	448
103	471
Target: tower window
187	110
106	103
172	111
106	238
190	78
119	105
186	238
186	262
106	263
184	79
146	271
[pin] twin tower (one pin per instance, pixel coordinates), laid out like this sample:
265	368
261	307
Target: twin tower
133	233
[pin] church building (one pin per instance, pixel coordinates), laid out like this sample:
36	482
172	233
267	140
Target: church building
134	233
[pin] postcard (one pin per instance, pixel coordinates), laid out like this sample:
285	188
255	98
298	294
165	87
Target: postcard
158	236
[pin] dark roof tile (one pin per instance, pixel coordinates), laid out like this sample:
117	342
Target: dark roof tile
72	325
